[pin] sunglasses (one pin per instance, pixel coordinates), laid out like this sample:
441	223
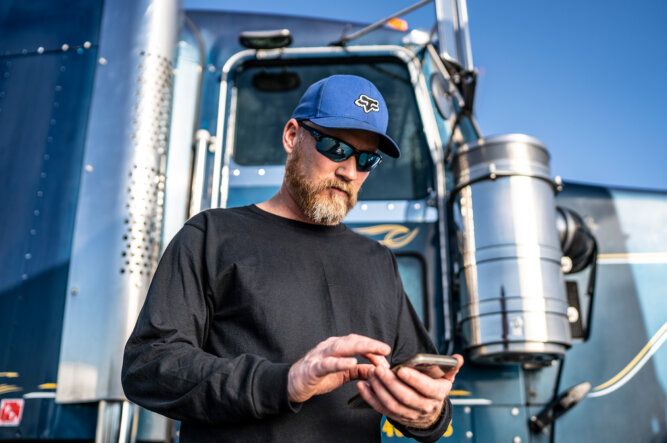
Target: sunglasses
338	151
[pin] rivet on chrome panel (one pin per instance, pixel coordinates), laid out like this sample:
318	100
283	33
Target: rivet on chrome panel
417	206
236	172
364	207
103	61
559	183
261	171
565	264
87	45
469	434
211	68
64	47
40	50
89	168
466	410
572	314
514	411
74	291
516	439
390	206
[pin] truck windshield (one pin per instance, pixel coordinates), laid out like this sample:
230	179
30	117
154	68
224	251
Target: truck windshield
264	106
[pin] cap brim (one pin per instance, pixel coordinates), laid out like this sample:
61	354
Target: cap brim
387	145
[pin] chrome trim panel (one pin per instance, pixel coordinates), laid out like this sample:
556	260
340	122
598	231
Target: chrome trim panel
435	142
187	88
398	211
246	176
113	257
202	142
223	188
463	35
453	15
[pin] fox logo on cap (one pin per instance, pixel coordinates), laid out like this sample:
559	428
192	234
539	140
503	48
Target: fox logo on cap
367	103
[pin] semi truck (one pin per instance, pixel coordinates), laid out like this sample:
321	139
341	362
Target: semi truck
120	119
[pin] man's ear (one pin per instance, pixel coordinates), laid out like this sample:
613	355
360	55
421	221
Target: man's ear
290	135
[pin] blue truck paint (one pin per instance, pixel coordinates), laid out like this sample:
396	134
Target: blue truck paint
45	97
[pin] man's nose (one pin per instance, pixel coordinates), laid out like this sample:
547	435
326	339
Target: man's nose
347	169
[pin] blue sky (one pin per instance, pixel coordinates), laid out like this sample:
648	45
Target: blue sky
587	77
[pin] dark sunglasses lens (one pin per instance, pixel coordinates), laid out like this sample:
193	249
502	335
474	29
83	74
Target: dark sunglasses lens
333	149
367	161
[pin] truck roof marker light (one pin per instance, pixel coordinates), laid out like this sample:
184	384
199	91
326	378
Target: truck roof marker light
398	23
417	37
273	39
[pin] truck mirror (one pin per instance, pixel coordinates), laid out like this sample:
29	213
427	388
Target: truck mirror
441	95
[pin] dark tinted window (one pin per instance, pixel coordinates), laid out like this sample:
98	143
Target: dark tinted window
412	274
262	114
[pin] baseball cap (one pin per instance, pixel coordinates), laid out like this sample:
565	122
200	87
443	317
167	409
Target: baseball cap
347	102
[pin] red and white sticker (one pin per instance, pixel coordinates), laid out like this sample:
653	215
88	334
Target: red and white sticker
11	410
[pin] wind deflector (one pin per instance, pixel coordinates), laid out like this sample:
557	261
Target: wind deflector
274	39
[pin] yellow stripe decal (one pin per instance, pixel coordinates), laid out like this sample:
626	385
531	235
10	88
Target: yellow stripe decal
633	257
652	346
47	386
461	393
396	236
9	374
4	389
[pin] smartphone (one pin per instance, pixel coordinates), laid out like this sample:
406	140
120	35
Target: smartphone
433	365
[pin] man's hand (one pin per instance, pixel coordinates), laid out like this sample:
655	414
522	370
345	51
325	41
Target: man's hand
408	397
331	364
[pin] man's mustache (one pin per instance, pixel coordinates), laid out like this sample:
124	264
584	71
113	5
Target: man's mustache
338	184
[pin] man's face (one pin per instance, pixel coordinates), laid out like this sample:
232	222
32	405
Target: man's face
325	190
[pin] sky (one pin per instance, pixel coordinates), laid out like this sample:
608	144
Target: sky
586	77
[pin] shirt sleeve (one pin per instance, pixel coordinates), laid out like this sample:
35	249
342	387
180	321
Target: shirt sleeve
411	338
166	368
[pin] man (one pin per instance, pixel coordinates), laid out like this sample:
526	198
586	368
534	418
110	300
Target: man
256	315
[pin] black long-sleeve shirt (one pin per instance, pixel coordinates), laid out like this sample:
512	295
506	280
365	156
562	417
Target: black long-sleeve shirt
239	296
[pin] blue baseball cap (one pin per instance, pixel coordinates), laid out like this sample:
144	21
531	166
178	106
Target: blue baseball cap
347	102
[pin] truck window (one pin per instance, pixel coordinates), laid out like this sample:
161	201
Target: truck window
262	113
411	269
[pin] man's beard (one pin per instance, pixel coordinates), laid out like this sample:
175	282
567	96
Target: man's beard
327	208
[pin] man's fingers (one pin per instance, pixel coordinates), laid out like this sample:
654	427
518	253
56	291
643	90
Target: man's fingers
364	371
369	396
425	385
333	364
355	344
395	396
378	360
450	375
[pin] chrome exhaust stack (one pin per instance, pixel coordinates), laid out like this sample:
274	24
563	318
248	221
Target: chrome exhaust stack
513	307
